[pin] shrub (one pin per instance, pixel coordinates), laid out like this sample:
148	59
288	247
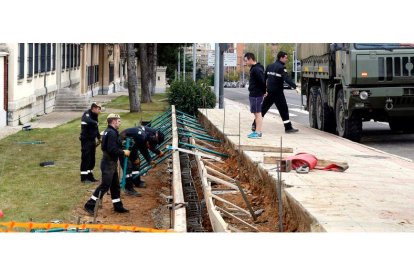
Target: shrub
188	96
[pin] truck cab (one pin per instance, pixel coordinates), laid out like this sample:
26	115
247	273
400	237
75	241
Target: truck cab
348	83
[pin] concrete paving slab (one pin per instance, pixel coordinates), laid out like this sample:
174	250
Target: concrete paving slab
374	195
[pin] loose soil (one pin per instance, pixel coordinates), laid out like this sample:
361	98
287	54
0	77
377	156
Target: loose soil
148	211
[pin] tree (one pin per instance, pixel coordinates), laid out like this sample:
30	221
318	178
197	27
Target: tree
145	73
134	103
152	66
168	56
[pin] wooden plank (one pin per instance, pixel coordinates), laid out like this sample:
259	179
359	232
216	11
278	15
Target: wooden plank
219	174
271	159
265	148
237	218
231	204
214	166
221	181
179	215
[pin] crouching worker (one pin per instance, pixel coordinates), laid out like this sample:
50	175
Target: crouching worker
112	150
145	138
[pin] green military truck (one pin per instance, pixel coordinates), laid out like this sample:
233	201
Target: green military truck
348	83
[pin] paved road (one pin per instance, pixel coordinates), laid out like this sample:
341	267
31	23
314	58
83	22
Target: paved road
375	134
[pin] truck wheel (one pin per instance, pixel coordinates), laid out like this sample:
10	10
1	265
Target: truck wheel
311	108
350	128
324	116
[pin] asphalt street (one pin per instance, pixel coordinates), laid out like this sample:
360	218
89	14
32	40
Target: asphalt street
375	134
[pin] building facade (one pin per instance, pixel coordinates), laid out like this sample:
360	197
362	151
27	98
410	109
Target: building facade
41	77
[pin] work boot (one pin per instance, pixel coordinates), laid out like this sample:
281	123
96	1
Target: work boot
92	178
85	178
140	184
89	207
119	208
291	130
132	192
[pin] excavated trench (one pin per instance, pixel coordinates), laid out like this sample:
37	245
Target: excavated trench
261	190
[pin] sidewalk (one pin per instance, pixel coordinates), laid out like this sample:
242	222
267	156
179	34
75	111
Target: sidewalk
375	194
55	119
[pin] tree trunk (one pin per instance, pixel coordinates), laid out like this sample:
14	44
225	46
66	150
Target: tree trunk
152	63
145	76
134	103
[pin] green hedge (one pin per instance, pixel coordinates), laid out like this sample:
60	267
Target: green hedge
188	96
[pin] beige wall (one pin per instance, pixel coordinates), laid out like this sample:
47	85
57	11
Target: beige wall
3	114
33	96
161	82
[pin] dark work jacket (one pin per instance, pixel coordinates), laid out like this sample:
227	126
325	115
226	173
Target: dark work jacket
276	74
141	135
111	144
257	85
89	126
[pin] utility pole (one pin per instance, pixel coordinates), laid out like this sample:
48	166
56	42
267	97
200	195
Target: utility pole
295	63
243	67
179	64
223	48
217	71
194	61
184	63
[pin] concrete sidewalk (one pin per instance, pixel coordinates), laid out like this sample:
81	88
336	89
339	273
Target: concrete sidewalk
376	193
55	119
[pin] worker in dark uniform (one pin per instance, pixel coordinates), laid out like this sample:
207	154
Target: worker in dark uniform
144	138
275	75
88	136
112	150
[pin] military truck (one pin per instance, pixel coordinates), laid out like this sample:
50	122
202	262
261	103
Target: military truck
348	83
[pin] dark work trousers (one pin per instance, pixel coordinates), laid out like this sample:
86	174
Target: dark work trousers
131	171
280	101
110	181
88	148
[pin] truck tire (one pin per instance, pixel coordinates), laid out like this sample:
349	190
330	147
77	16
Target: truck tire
350	128
325	118
312	107
402	124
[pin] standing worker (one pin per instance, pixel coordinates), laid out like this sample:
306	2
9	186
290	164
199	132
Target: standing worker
275	75
112	150
257	88
88	136
145	138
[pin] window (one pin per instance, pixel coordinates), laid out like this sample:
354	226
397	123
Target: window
63	55
78	55
54	57
48	57
159	78
42	57
21	61
30	61
96	73
67	56
75	57
72	54
36	58
111	72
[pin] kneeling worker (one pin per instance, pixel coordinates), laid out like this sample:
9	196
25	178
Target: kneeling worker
112	150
